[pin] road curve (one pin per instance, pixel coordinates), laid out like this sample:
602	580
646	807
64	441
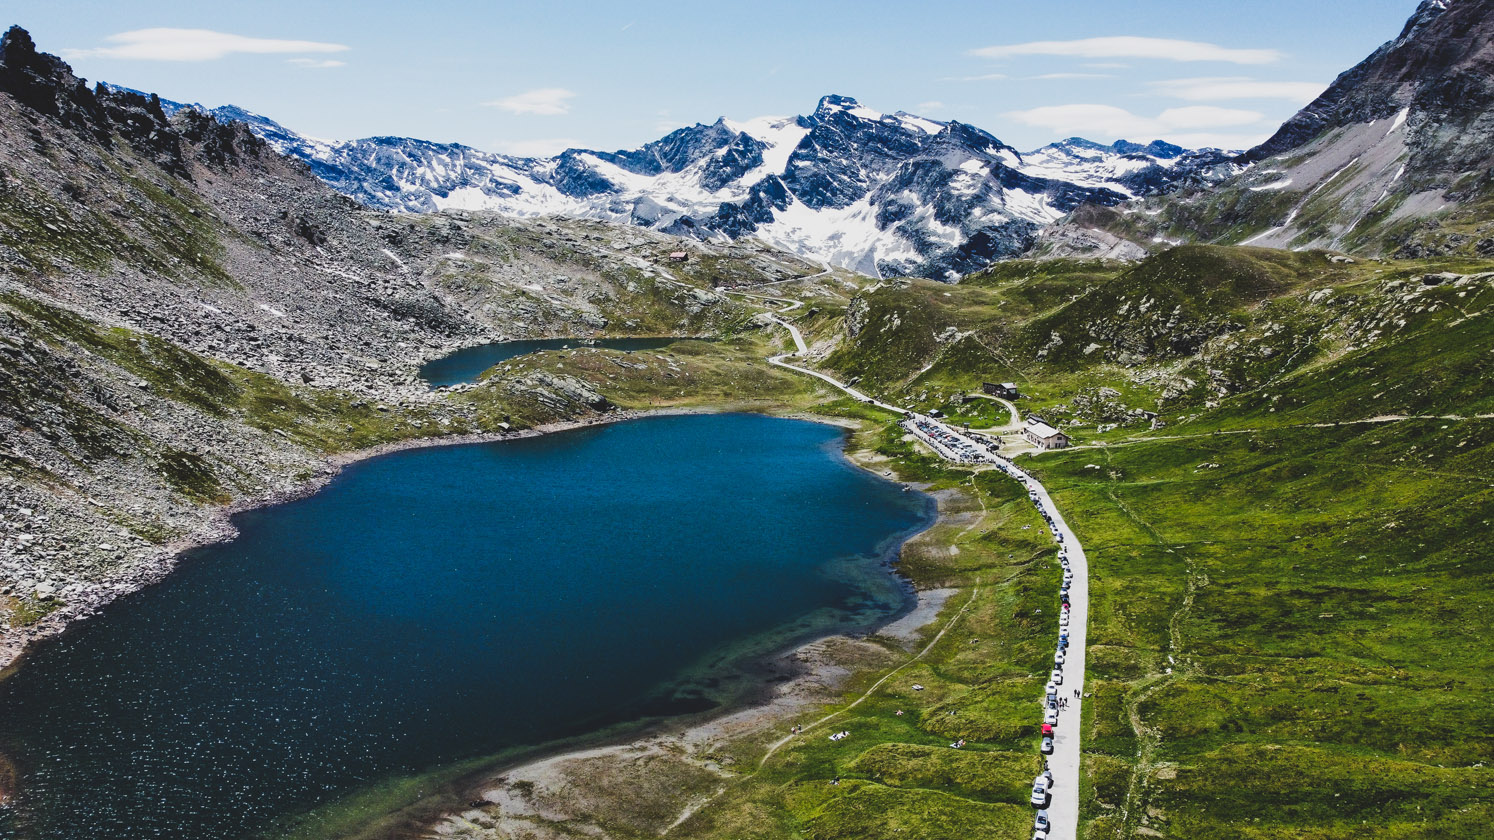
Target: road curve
1063	804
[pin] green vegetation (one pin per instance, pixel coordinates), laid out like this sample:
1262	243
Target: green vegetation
1288	582
1289	622
27	610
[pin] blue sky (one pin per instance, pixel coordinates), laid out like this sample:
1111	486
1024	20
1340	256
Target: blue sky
536	77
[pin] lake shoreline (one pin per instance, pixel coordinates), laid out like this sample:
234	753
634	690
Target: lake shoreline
784	681
219	527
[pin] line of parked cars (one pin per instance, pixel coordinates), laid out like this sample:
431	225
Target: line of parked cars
963	450
1042	786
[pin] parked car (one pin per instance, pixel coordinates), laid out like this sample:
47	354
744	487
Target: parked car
1047	777
1039	793
1040	822
1047	746
1050	718
1058	658
1057	677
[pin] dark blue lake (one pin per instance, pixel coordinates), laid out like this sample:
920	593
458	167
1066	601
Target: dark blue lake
467	364
438	605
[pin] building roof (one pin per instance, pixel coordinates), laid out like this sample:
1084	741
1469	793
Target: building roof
1043	430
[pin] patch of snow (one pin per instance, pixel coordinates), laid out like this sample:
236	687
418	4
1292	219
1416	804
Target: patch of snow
1275	185
1400	119
397	261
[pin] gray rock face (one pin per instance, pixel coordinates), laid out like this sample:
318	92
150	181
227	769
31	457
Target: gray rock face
1395	157
1441	63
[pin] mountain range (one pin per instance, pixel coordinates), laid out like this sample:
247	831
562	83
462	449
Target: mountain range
882	194
1395	158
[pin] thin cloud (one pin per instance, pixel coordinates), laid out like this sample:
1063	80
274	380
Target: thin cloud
1107	121
984	77
547	102
1129	46
1215	88
931	105
316	63
1049	76
539	147
194	45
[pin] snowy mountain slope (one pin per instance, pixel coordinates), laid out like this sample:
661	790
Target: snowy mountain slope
885	194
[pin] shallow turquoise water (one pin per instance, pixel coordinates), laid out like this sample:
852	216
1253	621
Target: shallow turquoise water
441	604
467	364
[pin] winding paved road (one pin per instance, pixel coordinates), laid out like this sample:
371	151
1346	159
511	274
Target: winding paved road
1063	806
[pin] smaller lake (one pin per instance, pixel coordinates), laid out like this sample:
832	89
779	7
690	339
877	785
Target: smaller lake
467	364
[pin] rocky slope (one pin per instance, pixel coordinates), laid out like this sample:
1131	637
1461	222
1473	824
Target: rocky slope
189	319
882	194
1395	157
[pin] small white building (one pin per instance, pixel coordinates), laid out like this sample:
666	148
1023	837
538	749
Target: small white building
1044	435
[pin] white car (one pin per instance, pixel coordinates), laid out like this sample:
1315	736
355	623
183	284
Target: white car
1058	658
1057	677
1039	793
1051	717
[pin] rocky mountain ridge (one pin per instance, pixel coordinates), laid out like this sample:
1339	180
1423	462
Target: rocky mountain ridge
1396	157
881	194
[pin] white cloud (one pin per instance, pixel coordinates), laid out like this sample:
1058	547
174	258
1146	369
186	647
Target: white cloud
1238	87
1128	46
1048	76
931	105
194	45
547	102
1185	126
316	63
541	147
